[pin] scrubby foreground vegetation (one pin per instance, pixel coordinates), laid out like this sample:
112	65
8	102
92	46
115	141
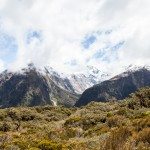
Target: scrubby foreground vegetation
123	125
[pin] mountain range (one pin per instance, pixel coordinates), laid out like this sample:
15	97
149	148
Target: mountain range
32	86
118	87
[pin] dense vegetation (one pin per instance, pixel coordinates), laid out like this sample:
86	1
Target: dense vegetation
123	125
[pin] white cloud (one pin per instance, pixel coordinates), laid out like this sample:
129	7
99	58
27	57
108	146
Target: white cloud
65	23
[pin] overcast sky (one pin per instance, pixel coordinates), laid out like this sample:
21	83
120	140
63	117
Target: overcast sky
71	34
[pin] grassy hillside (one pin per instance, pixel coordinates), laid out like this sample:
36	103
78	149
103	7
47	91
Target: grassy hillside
123	125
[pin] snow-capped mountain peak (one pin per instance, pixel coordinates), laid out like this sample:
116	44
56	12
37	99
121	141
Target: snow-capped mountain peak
129	70
135	68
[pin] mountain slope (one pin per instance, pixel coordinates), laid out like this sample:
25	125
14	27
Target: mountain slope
118	87
77	82
31	88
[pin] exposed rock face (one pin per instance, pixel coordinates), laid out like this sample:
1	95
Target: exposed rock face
78	82
32	88
118	87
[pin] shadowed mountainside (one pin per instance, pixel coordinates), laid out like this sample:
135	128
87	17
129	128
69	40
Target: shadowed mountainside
31	88
118	87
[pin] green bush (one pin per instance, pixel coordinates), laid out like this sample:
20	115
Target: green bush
21	144
96	131
5	127
140	124
48	145
116	121
13	114
139	99
117	139
144	136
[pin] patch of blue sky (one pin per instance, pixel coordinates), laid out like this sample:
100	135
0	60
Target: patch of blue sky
106	59
109	56
8	47
103	56
32	35
110	50
100	53
88	41
117	46
92	38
